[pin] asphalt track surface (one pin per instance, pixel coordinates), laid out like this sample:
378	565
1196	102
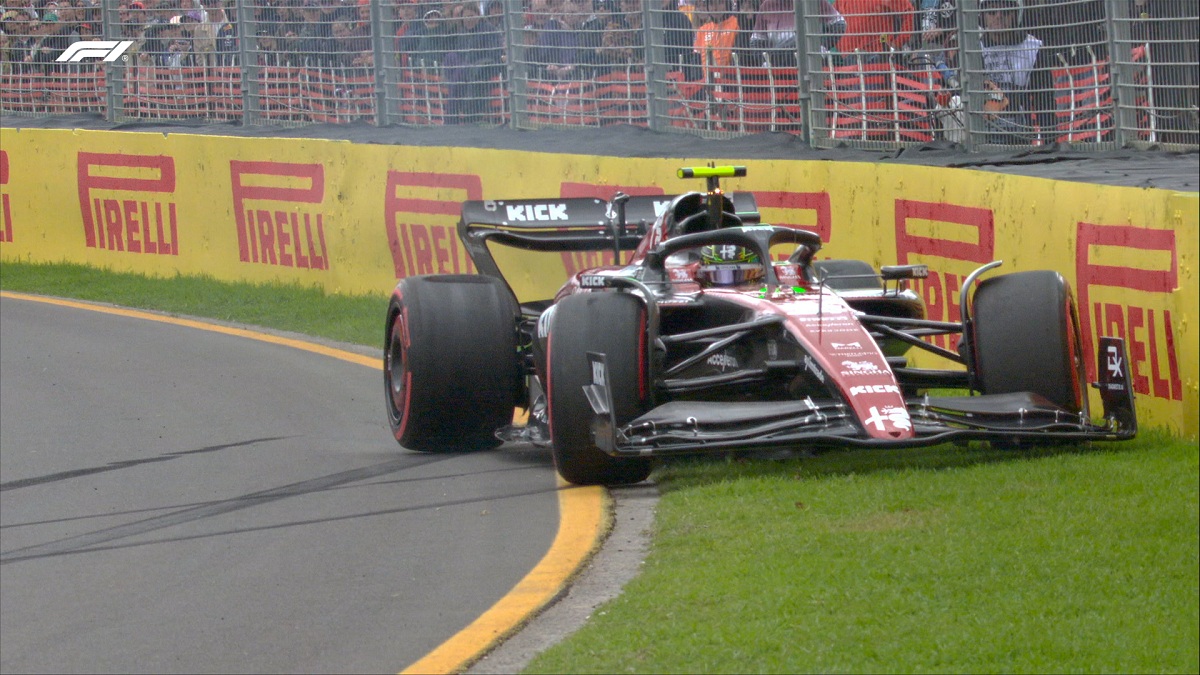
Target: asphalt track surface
183	500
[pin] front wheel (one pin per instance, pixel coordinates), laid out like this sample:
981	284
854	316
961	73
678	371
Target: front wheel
613	324
1027	338
451	370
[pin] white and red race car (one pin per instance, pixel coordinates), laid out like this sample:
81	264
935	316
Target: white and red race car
702	342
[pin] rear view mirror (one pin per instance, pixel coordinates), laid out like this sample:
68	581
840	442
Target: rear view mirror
897	272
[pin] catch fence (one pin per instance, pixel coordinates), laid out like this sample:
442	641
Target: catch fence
988	74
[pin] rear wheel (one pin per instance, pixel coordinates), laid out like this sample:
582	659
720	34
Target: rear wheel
1026	338
613	324
451	372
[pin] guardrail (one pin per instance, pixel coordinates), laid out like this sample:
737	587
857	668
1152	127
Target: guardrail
987	74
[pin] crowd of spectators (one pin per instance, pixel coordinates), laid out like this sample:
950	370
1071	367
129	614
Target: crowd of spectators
467	41
33	34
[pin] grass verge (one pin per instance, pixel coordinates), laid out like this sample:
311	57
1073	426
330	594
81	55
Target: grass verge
937	560
945	559
353	319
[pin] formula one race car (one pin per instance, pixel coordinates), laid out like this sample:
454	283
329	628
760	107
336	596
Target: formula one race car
704	342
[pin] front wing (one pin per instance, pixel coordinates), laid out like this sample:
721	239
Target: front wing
684	427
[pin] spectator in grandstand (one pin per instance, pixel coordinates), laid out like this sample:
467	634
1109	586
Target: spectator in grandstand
833	25
132	19
160	11
541	19
193	9
773	40
621	44
311	45
10	19
493	13
431	39
23	35
939	40
1009	51
405	31
268	53
150	45
6	65
746	12
163	45
89	31
89	12
471	66
591	30
542	16
204	41
679	38
49	43
716	35
272	12
26	6
68	22
874	28
225	35
1072	34
179	53
556	54
353	48
1009	55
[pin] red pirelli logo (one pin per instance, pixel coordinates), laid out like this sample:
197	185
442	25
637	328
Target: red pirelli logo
969	236
125	202
421	212
1145	273
275	207
6	224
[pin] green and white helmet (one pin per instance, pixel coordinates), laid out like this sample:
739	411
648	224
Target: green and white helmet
728	265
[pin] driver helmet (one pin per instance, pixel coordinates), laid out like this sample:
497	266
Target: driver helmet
728	265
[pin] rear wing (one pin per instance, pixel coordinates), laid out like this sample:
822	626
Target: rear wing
569	223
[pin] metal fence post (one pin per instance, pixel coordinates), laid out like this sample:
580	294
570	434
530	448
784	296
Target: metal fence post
110	27
651	55
247	51
381	71
970	60
516	63
1120	72
516	88
803	74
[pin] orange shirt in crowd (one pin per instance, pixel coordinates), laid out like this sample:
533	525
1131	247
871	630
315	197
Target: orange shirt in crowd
873	25
718	39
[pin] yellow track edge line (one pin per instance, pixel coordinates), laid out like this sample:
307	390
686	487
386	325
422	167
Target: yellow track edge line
585	517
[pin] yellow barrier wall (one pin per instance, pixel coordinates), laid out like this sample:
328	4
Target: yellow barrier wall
355	218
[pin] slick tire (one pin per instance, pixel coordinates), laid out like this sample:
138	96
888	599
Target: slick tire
451	371
613	324
1027	338
864	278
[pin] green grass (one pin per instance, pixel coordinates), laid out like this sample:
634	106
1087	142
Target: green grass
945	559
353	319
938	560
